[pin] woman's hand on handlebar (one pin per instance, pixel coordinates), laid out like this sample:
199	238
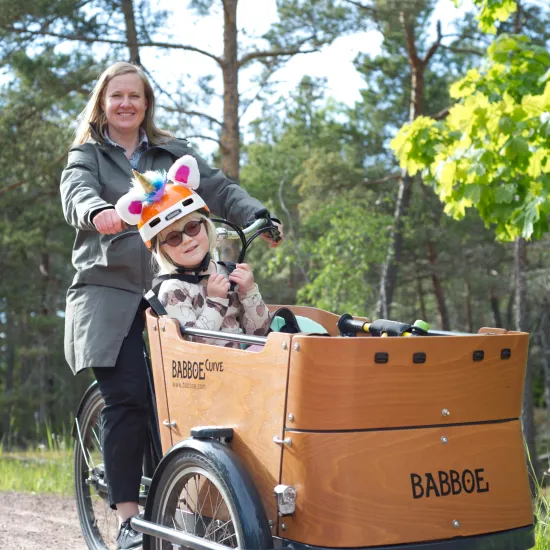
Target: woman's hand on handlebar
108	222
269	238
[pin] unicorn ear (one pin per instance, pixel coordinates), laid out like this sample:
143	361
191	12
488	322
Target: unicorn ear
129	207
185	171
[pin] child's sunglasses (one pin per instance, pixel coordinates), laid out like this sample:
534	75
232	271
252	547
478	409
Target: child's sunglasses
192	229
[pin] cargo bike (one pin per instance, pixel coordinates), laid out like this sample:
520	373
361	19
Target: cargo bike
375	435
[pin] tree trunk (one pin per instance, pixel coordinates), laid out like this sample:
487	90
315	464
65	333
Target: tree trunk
510	310
469	312
230	140
388	277
438	288
420	292
7	437
545	347
389	269
527	416
495	308
131	33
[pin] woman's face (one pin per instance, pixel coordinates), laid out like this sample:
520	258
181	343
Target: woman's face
124	104
191	251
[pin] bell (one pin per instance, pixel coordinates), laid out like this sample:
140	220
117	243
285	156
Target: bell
148	187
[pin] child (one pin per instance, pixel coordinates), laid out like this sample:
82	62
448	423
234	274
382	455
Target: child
173	221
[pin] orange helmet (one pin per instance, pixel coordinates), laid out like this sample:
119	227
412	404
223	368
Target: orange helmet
158	199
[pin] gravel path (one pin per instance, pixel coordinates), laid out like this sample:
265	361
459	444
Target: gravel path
39	522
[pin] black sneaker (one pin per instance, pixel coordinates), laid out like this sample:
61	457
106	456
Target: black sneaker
127	538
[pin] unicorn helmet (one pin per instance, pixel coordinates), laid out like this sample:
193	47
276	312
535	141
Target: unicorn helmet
158	199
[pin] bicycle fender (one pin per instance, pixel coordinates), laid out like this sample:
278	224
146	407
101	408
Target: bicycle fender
249	506
89	390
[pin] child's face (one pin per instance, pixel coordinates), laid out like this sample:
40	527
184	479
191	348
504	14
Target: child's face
191	251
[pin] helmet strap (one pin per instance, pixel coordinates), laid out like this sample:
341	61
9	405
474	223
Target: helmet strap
203	266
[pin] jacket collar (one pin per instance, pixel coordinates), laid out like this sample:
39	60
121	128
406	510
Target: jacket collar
96	136
173	146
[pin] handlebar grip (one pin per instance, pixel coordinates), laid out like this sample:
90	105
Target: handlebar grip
262	213
391	328
347	325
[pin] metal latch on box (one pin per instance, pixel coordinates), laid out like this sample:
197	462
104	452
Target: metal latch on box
286	499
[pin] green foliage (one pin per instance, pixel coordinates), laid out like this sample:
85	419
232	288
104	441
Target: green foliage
310	22
492	151
309	171
352	241
36	109
491	11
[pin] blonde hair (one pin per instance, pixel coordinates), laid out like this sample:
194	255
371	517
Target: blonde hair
164	263
94	114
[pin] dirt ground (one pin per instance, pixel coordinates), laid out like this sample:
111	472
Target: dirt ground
39	522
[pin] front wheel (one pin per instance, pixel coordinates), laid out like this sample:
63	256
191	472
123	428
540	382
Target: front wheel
194	497
98	522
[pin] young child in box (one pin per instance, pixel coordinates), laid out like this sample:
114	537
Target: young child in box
174	222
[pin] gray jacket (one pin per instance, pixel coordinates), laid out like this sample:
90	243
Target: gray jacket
113	271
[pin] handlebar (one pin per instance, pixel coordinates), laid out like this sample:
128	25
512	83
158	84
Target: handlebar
224	233
263	223
348	326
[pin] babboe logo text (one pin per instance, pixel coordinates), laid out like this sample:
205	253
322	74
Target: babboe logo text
195	370
443	484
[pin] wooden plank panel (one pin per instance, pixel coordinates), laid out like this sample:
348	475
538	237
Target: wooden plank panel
158	378
216	386
334	383
356	489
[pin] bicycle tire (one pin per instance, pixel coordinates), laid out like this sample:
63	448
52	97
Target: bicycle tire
177	504
98	522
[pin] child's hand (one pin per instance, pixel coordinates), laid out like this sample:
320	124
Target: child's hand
242	275
218	286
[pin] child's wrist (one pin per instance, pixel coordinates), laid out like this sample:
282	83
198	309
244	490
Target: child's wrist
215	296
224	300
252	288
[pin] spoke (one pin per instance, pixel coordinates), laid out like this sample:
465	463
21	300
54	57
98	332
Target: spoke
197	503
231	536
197	512
91	459
211	505
223	526
190	500
97	438
207	493
222	501
212	509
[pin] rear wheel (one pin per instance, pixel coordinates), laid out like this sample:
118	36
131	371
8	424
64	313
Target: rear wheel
98	522
193	497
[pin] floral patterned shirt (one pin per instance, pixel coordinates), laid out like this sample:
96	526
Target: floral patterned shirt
190	305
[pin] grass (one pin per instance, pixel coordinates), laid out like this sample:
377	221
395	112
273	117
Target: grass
47	471
542	529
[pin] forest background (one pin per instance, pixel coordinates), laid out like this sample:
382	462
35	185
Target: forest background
426	198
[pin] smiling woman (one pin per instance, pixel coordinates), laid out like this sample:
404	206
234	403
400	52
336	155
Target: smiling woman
124	105
104	315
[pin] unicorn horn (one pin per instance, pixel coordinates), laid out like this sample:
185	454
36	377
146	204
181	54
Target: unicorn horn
148	187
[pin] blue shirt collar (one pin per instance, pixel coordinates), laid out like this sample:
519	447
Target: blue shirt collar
143	141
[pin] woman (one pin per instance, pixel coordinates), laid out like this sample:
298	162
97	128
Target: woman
103	322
